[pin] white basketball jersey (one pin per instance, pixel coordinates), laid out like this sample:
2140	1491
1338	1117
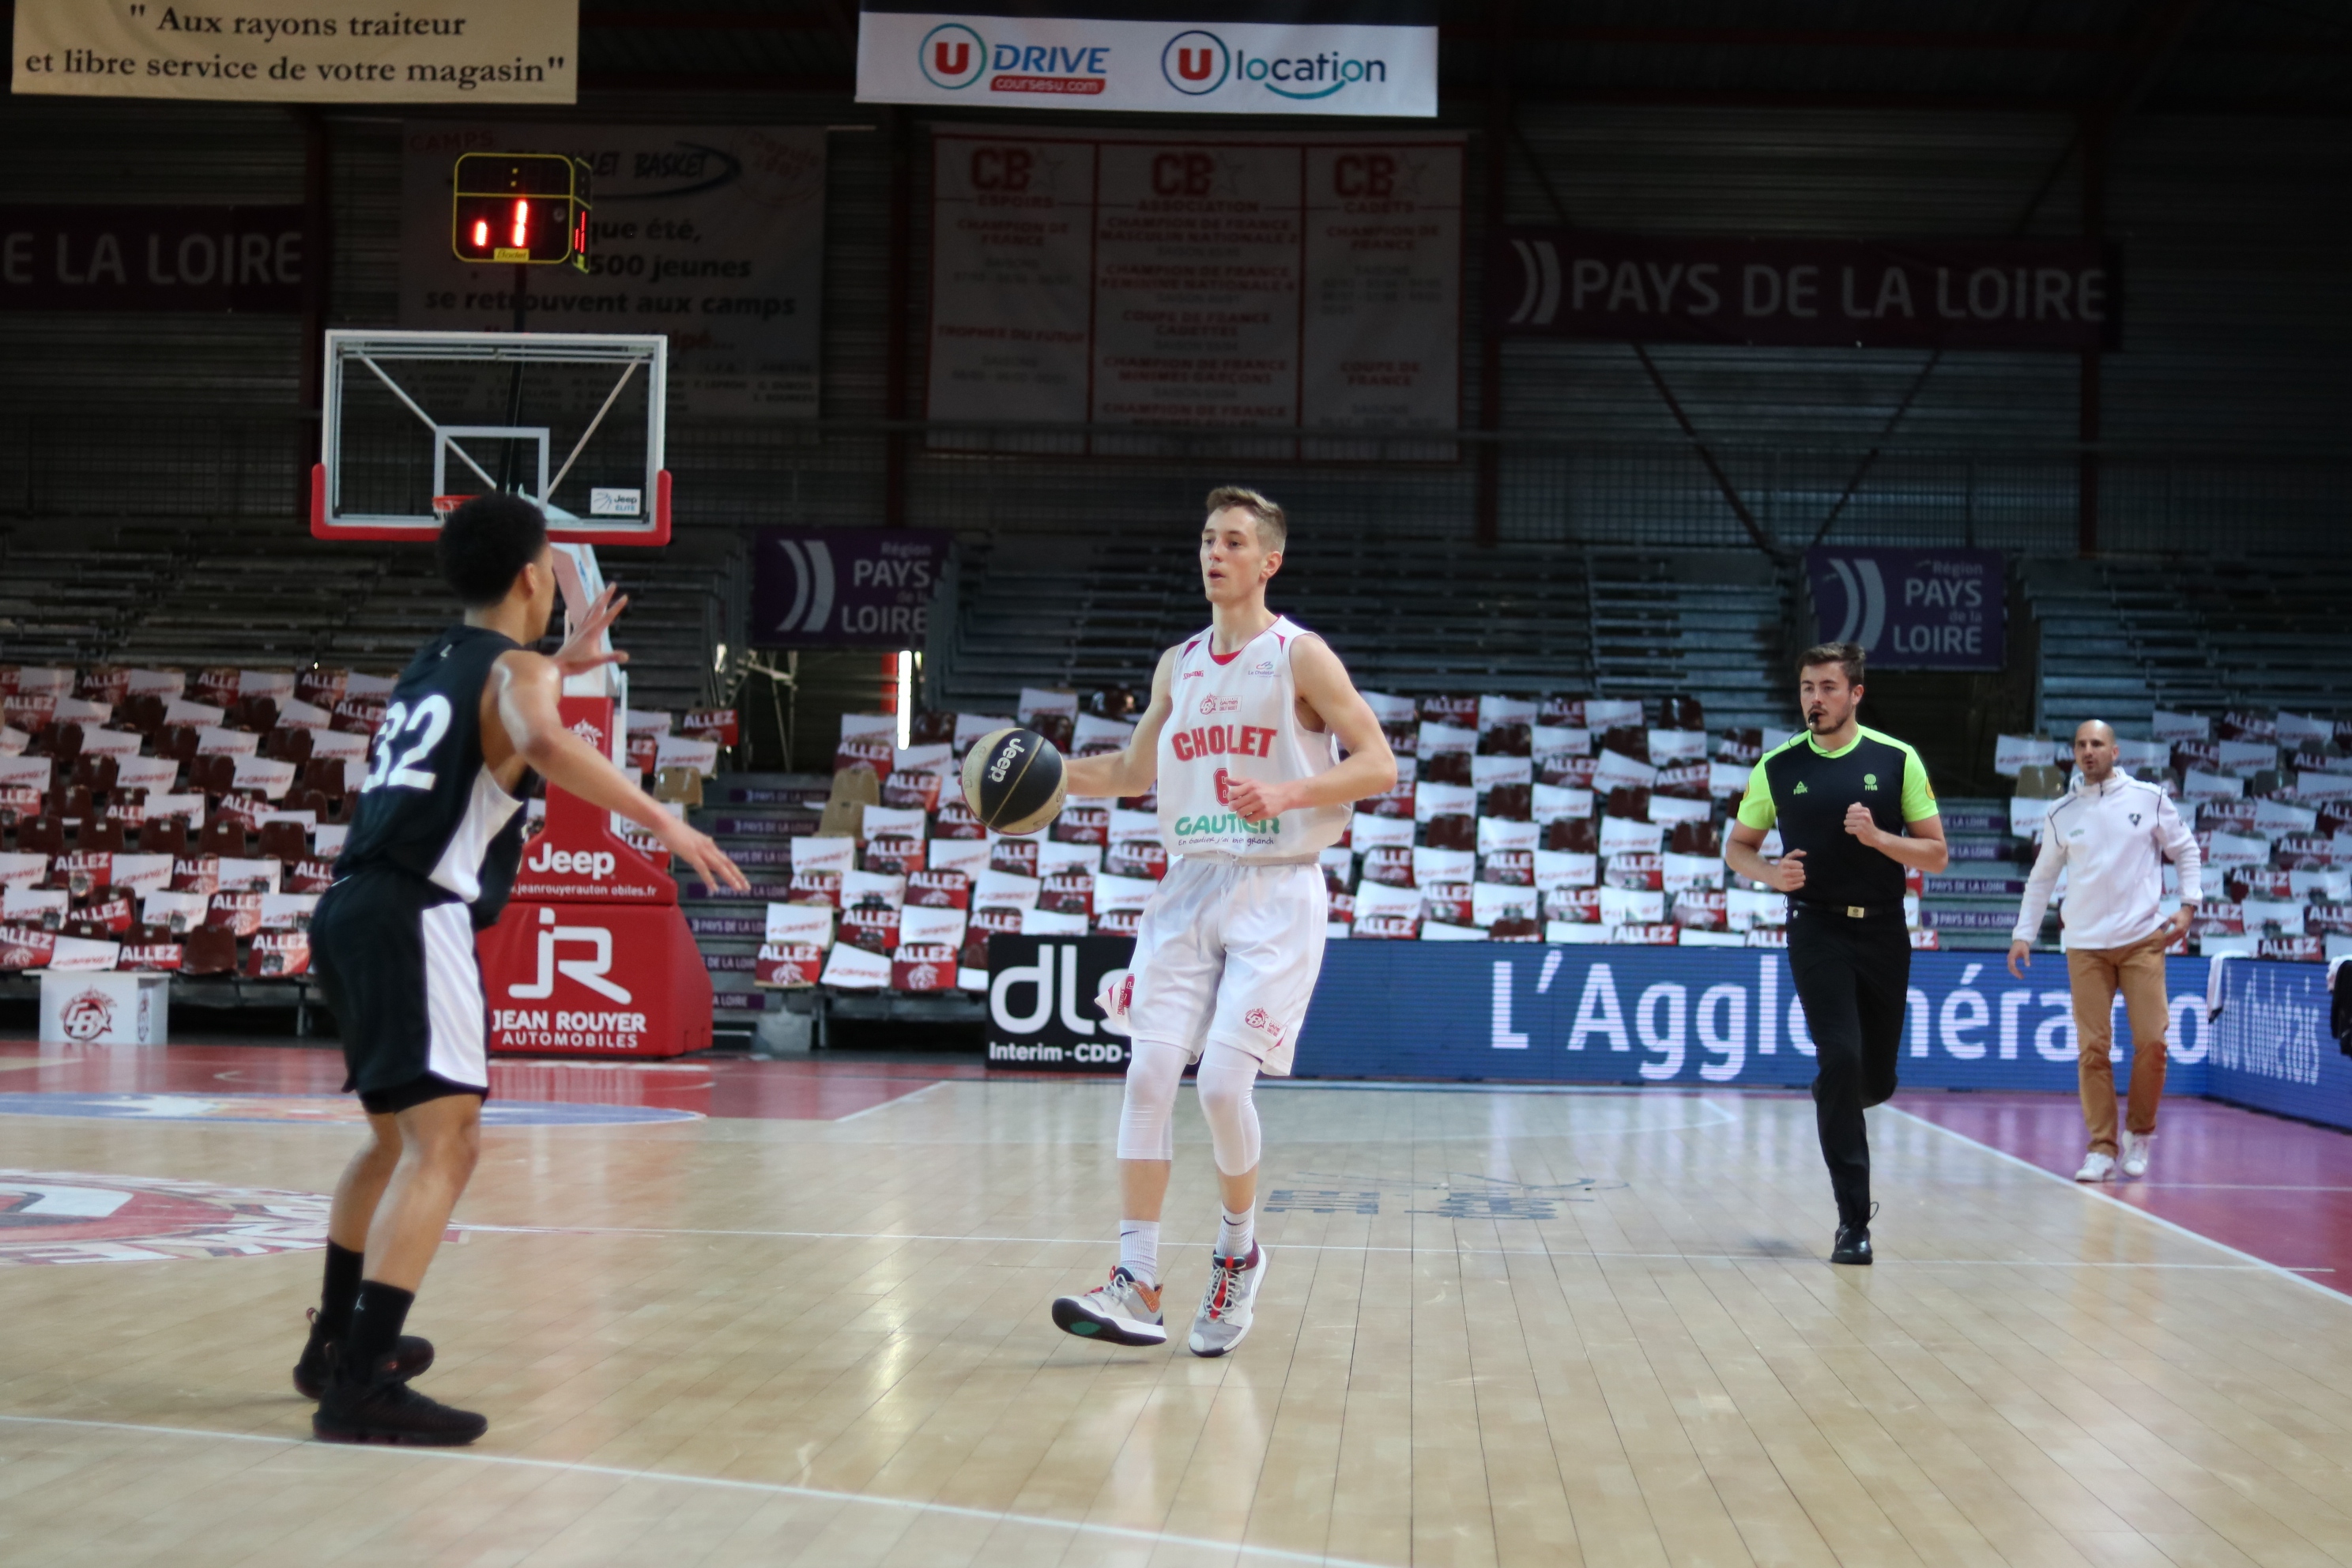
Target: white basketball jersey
1236	716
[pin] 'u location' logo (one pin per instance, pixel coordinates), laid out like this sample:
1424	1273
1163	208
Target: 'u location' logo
1196	62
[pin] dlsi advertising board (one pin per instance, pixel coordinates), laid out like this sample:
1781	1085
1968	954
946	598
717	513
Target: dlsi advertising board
712	234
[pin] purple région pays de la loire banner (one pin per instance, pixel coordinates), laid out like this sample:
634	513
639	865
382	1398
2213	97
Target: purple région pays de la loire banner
846	587
1912	609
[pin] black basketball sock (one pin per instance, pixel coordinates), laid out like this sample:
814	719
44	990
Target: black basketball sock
377	1318
339	1292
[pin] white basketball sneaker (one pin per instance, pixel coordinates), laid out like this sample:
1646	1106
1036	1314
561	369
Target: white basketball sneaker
1122	1310
2096	1167
1228	1305
2136	1153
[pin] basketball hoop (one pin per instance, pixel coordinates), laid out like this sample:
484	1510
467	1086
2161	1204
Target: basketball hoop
444	505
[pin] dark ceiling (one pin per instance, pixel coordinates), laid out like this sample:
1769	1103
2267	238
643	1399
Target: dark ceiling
2239	56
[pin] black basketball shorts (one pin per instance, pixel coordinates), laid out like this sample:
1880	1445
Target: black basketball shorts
394	955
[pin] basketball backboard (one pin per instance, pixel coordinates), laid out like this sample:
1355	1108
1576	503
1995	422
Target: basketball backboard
573	420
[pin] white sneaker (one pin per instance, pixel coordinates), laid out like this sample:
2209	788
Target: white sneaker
1122	1310
1227	1305
2096	1167
2136	1153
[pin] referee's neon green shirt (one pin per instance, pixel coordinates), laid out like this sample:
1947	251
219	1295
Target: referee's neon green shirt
1806	791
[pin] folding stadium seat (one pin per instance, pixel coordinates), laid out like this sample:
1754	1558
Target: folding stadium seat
284	841
165	836
258	714
1575	834
42	835
75	804
96	774
1694	838
99	835
1448	768
288	746
1512	802
1681	713
145	714
208	950
222	835
215	776
1453	832
62	742
177	742
303	798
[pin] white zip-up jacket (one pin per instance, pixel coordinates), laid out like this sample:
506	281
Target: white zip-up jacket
2112	842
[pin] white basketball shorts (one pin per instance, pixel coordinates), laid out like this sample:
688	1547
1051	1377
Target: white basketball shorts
1228	952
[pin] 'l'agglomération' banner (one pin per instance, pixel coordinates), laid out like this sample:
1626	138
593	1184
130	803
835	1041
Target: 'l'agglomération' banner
301	51
1213	57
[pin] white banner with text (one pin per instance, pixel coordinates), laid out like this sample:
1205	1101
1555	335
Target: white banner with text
301	51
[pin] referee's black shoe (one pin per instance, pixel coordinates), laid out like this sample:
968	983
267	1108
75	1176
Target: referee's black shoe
410	1358
381	1408
1853	1244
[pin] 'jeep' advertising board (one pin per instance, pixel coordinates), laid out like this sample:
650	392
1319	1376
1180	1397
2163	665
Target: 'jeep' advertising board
1041	1003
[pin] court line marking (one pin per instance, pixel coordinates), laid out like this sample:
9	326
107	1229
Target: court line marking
885	1105
1346	1247
720	1483
2090	1190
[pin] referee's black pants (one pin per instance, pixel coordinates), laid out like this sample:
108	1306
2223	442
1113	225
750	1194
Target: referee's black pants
1851	975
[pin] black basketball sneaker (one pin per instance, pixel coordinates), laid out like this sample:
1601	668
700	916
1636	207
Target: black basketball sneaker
411	1358
381	1408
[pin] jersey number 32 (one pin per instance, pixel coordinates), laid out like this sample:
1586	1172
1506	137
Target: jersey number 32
404	740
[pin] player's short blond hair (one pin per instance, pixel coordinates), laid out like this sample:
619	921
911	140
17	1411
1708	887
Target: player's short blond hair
1273	526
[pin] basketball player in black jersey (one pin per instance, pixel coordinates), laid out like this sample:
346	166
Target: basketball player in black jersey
431	857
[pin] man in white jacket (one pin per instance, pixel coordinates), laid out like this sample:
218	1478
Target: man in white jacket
2111	834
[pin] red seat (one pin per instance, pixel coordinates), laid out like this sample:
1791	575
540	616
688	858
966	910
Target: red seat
96	773
284	841
303	798
208	950
63	742
177	742
165	836
145	714
288	746
42	835
223	836
215	776
98	835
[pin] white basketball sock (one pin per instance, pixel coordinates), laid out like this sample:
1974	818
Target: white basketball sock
1139	1249
1237	1233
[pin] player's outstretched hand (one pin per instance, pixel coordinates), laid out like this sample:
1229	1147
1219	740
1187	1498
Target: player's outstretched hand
697	850
579	654
1789	871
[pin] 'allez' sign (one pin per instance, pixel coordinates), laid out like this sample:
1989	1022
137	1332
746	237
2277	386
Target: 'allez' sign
1912	609
1322	56
846	587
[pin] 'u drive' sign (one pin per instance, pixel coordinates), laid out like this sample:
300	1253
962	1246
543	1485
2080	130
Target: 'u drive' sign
845	587
1911	609
1804	293
1204	56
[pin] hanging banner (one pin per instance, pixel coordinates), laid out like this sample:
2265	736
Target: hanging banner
1912	609
846	587
1805	293
1292	57
301	51
713	233
88	258
1309	282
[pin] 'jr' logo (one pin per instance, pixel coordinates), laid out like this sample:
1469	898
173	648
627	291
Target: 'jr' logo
589	972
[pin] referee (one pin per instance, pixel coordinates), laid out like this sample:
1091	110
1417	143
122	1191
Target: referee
1854	810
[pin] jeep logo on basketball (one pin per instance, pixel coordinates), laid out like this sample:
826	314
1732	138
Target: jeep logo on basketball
1004	760
596	864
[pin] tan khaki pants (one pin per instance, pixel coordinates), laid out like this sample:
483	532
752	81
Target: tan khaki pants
2096	974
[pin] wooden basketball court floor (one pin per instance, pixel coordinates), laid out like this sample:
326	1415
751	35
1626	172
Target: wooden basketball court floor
796	1313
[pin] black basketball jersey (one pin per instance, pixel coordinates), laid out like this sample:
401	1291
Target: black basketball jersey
430	805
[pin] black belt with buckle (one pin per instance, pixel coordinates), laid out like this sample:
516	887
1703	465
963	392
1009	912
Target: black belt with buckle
1849	911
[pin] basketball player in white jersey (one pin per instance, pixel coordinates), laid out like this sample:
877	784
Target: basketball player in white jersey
1243	737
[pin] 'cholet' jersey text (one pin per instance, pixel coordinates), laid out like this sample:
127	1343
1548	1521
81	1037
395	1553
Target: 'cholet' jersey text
1235	716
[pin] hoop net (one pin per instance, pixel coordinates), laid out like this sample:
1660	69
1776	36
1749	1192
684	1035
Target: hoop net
444	505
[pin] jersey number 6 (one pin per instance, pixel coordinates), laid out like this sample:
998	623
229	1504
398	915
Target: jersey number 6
429	721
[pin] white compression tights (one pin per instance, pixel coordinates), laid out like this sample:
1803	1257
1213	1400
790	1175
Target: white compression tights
1227	1081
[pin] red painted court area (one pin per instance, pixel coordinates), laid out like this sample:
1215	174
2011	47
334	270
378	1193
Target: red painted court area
726	1088
2279	1190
